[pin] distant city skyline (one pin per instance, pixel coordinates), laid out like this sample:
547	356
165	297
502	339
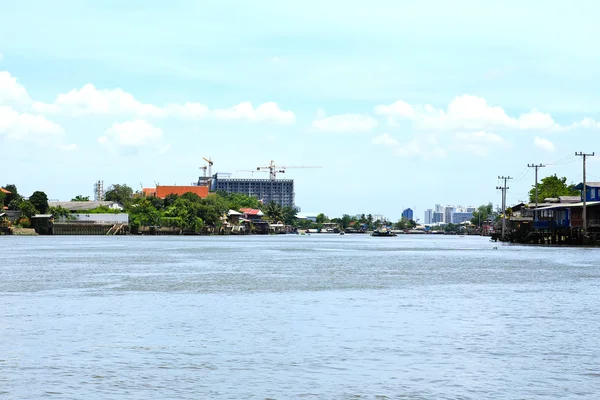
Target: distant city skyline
139	92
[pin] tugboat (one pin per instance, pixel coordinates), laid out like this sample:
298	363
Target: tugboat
383	232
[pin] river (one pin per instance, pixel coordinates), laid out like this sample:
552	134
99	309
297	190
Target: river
290	316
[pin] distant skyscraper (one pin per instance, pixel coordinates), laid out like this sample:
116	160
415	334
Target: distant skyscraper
437	217
428	216
438	208
408	214
448	211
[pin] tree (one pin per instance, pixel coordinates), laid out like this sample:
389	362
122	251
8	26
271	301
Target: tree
27	209
322	218
119	193
289	215
2	197
59	211
482	213
345	221
12	197
39	201
552	187
274	212
81	198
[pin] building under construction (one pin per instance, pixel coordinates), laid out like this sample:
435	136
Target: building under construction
281	191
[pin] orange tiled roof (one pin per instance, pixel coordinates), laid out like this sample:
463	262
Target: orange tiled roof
4	191
163	191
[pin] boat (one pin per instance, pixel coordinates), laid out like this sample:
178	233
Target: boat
383	233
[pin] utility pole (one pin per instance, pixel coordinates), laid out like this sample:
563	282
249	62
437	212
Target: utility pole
584	156
535	213
504	188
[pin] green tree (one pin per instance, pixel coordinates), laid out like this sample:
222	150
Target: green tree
402	223
2	197
119	193
289	215
345	221
58	211
551	187
483	212
13	197
39	201
27	209
322	218
81	198
274	212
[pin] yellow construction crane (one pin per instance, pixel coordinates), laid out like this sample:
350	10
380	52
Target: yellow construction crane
275	169
210	164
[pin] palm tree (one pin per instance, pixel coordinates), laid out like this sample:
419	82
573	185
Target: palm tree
274	212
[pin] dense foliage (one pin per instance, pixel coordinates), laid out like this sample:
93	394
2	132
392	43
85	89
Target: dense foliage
552	187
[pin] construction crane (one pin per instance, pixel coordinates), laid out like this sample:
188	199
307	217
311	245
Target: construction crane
210	164
252	171
275	169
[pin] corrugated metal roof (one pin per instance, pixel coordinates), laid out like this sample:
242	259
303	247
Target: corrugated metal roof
570	205
82	205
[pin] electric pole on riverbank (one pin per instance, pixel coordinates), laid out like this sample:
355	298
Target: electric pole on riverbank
504	189
538	166
584	191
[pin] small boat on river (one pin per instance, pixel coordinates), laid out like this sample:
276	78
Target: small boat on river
383	233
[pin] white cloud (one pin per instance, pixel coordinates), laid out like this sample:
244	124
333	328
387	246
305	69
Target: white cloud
425	146
265	112
478	143
385	139
345	123
91	101
543	144
133	135
115	102
12	92
24	126
68	147
465	112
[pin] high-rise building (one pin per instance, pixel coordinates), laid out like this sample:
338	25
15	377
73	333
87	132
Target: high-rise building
281	191
460	217
438	208
437	217
408	214
448	211
428	216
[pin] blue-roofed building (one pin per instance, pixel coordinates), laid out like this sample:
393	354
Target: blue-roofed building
408	214
592	191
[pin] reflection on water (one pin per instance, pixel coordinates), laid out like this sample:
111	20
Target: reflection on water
324	317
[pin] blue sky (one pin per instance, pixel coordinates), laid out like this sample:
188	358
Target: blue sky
403	104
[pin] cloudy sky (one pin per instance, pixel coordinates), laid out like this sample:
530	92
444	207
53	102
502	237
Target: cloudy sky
402	104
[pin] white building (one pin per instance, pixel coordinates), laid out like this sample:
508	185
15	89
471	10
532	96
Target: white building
448	211
428	216
437	217
460	217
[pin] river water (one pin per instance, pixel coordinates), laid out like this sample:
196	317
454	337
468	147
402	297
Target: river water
289	316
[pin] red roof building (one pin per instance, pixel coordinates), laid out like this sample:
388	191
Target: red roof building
4	191
163	191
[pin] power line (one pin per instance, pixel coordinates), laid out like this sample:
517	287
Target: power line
584	156
538	166
504	189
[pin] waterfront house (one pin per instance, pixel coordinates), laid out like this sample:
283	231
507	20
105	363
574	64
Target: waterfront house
592	190
42	223
251	214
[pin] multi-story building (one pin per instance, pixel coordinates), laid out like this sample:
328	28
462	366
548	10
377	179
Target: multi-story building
408	214
459	217
281	191
448	211
428	216
437	217
438	208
